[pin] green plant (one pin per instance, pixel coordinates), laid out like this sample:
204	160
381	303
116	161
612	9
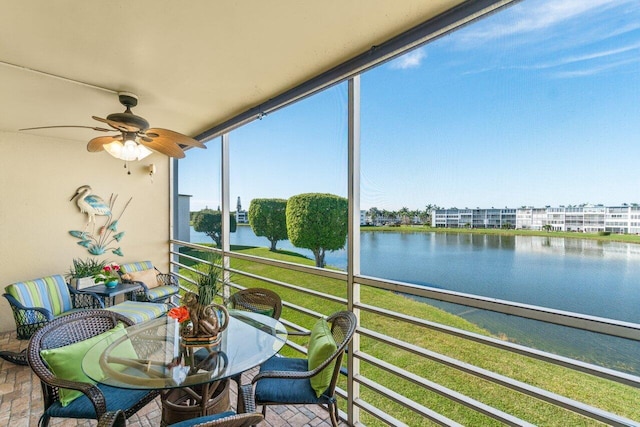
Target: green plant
209	283
85	268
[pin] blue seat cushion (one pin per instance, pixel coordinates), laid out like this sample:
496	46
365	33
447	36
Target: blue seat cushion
139	311
116	398
200	420
281	390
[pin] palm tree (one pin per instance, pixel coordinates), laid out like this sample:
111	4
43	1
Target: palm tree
374	213
429	211
404	215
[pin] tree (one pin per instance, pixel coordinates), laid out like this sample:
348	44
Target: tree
403	213
267	217
318	222
429	211
374	213
209	222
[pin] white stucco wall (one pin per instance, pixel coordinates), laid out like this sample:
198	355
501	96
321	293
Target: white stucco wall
39	175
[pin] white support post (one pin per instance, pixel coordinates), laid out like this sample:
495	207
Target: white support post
353	243
225	211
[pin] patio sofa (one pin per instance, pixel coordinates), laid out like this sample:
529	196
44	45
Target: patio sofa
38	301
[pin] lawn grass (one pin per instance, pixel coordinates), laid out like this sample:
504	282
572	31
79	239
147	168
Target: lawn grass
624	238
597	392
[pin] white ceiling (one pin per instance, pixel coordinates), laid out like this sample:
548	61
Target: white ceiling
193	64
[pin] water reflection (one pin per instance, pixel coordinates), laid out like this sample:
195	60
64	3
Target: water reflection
582	276
585	276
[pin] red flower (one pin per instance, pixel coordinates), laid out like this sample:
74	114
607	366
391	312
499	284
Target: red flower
109	273
181	314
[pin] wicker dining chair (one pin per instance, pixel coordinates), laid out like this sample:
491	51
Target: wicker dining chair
67	338
257	300
291	381
225	419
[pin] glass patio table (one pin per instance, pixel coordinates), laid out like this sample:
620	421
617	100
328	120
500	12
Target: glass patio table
194	379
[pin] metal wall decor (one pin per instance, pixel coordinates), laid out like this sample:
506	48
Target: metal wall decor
106	237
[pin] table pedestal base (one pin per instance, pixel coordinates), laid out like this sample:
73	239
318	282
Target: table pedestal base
181	404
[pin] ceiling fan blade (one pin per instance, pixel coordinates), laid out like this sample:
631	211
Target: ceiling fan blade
117	125
97	144
70	126
176	137
164	146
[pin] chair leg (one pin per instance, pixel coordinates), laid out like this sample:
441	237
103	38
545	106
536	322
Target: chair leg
19	358
246	401
333	412
44	420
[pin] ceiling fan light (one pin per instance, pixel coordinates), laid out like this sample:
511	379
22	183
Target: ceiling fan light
129	151
143	151
114	148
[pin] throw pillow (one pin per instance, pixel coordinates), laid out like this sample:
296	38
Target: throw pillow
148	277
321	347
66	362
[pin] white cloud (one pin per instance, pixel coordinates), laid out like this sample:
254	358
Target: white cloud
561	35
596	69
589	56
412	59
537	17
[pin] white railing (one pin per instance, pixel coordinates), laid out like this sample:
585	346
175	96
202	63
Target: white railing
625	330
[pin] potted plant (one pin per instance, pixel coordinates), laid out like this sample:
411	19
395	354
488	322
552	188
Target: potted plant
108	275
209	283
82	272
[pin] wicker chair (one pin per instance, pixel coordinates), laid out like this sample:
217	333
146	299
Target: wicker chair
286	381
36	302
257	300
225	419
165	288
95	400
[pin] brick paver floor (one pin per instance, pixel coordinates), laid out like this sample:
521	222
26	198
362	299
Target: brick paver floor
21	401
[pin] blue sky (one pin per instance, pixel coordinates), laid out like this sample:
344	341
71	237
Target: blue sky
536	105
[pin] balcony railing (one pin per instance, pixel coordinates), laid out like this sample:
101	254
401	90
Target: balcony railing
375	385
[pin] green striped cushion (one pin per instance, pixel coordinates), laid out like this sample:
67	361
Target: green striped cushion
50	292
136	266
161	292
139	311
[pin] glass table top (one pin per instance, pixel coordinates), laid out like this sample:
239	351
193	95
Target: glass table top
151	355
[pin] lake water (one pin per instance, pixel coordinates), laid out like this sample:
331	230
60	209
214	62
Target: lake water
583	276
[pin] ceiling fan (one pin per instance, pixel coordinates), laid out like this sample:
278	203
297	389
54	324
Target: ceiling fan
135	137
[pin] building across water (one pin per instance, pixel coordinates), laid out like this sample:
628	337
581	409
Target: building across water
587	218
242	217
